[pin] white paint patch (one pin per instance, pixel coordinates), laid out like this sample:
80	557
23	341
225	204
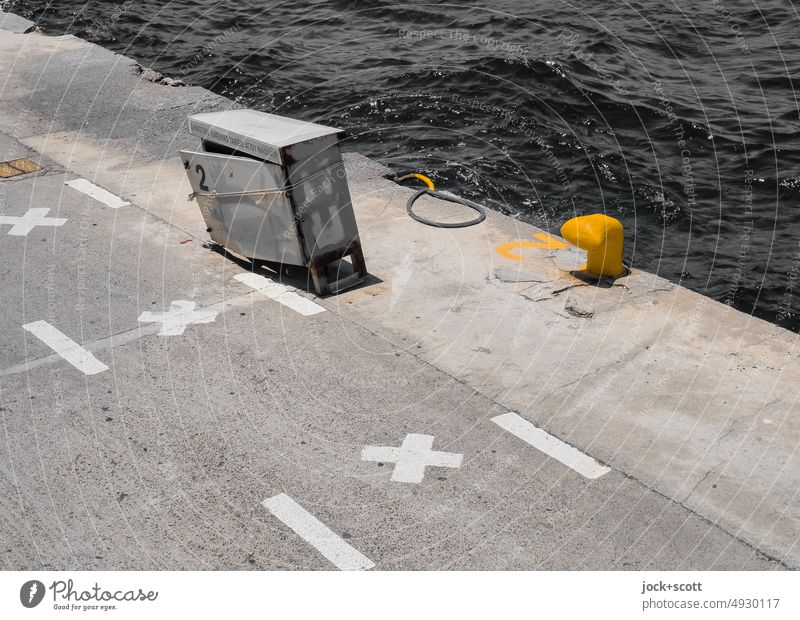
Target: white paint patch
412	458
98	193
402	276
21	225
280	293
316	533
569	259
181	313
67	348
573	458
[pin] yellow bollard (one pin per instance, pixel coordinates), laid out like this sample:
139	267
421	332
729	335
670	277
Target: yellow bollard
602	237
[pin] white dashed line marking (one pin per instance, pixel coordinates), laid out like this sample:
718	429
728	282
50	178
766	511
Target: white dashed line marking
98	193
316	533
280	293
67	348
573	458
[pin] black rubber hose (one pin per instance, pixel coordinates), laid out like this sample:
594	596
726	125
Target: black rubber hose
449	198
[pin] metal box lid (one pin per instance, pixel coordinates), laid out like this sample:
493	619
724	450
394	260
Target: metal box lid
262	135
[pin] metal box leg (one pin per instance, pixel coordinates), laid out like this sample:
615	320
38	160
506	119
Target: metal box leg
319	271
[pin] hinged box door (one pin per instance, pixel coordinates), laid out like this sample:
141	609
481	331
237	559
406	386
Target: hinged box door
240	216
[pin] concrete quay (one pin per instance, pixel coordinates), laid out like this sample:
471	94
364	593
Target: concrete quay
161	408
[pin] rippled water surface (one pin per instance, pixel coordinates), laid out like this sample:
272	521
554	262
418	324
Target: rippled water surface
681	119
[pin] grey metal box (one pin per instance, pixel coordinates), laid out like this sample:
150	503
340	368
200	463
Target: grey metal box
273	188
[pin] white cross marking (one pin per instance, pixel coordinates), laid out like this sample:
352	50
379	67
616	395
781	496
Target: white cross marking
21	225
412	458
181	313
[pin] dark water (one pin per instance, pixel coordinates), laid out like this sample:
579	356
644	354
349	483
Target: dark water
680	119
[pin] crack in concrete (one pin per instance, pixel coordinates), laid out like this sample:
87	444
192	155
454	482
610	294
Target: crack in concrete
697	484
543	292
193	104
711	523
769	404
27	176
730	429
633	354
